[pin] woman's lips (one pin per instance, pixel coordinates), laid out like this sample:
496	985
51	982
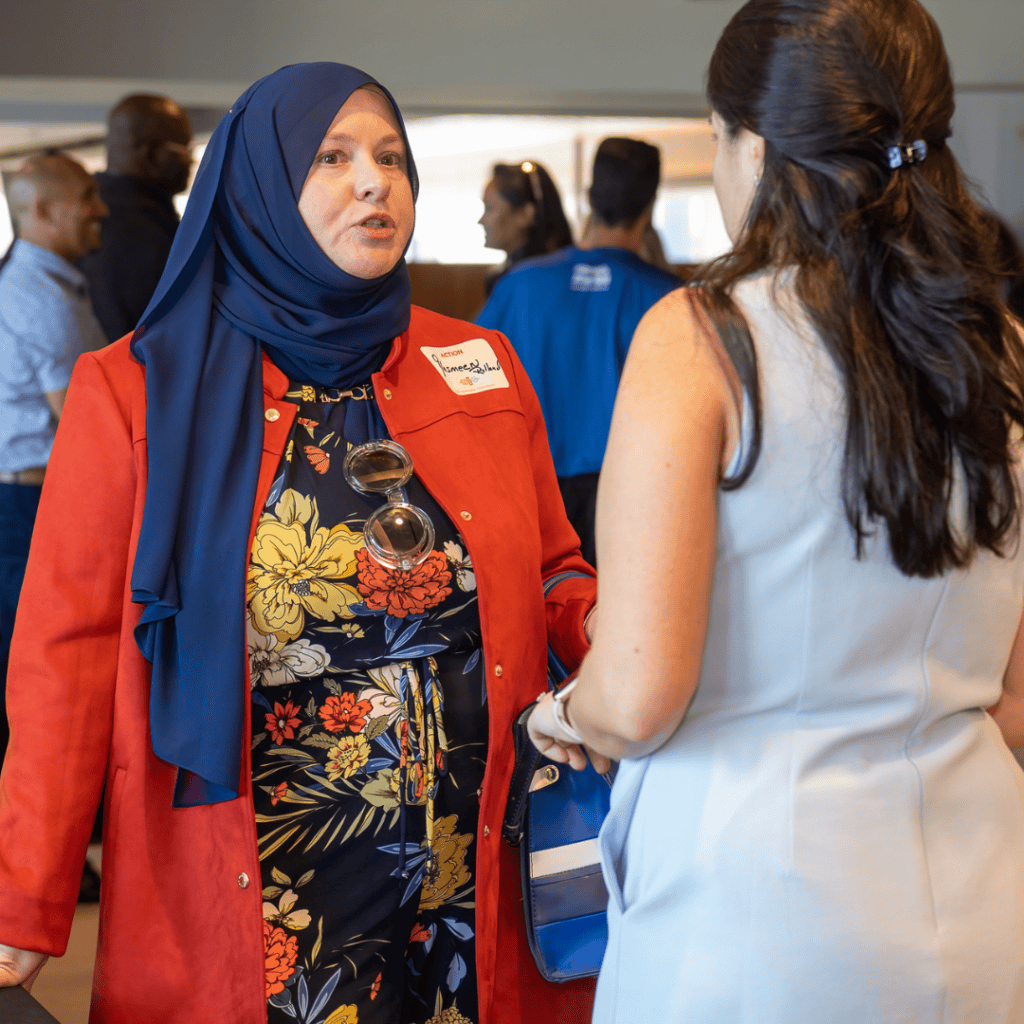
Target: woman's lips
377	226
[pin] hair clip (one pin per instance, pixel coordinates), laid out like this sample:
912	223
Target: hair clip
912	154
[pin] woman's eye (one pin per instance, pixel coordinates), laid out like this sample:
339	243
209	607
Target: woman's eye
391	160
328	158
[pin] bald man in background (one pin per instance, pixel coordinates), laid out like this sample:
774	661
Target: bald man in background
46	323
149	157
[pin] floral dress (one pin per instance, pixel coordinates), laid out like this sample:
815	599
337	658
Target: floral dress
369	742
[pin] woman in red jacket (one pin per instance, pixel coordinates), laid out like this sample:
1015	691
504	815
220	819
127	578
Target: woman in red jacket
310	833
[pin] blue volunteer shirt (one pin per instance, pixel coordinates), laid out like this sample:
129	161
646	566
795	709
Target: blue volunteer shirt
46	323
571	317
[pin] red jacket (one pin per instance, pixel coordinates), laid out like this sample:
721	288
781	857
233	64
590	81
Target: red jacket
181	907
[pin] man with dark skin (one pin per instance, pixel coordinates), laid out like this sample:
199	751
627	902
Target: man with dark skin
149	157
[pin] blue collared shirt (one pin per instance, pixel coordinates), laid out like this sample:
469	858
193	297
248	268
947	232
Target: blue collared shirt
46	323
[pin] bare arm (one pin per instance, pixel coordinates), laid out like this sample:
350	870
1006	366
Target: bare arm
675	425
56	400
1008	712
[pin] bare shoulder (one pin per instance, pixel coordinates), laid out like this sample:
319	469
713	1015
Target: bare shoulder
678	385
673	348
670	322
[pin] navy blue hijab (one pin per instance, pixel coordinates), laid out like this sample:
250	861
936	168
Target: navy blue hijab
244	275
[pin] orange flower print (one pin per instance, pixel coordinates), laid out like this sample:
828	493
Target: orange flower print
279	791
345	712
404	593
415	780
419	934
280	952
281	724
318	458
415	776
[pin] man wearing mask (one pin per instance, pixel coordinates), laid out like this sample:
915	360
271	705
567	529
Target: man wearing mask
46	323
149	157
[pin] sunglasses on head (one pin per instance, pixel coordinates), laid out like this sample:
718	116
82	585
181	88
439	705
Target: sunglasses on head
529	168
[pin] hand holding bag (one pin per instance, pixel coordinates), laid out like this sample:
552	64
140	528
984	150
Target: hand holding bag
553	815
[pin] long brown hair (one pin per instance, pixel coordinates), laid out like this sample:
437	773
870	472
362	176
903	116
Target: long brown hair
518	186
894	266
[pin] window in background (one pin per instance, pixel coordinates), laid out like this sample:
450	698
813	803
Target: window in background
689	221
455	154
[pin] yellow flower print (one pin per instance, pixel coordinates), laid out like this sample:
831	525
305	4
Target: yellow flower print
344	760
344	1015
293	507
308	393
450	1016
415	776
283	914
450	872
289	577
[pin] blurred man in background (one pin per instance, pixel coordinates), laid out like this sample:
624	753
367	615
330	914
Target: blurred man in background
571	317
46	323
149	158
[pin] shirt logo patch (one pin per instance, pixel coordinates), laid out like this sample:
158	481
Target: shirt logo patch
467	366
586	278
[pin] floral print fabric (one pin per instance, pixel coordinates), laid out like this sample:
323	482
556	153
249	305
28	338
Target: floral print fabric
369	742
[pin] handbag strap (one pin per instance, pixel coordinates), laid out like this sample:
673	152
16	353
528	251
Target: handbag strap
528	757
557	672
528	760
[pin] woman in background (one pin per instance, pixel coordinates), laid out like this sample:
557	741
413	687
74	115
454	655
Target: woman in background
522	216
811	568
287	596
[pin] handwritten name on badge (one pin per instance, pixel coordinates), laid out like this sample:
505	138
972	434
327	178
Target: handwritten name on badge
467	366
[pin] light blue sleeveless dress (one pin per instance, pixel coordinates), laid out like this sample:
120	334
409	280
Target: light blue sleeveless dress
835	833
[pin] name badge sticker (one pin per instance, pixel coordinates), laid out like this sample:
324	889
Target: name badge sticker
467	367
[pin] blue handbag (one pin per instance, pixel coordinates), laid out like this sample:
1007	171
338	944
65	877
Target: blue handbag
554	815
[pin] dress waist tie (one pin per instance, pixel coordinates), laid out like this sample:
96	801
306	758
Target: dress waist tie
423	755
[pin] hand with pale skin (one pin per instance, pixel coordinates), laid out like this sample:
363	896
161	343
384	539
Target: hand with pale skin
554	743
549	737
20	967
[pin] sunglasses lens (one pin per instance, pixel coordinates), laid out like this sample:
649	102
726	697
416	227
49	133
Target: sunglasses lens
378	467
399	535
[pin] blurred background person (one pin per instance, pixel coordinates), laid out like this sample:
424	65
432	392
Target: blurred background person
46	323
653	251
571	317
522	216
149	159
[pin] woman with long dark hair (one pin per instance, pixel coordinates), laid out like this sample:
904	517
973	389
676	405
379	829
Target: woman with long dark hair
287	595
811	568
523	215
